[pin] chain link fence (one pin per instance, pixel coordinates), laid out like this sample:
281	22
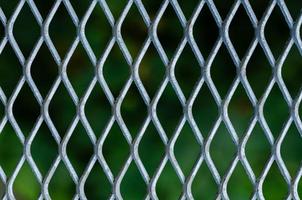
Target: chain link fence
125	103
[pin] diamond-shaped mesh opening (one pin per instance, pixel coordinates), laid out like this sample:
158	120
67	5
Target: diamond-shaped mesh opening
44	70
222	149
152	71
11	70
204	186
164	189
240	110
223	7
8	6
26	26
80	8
89	120
258	150
187	150
61	184
97	177
241	23
294	8
258	72
169	110
116	7
59	29
187	74
152	7
205	103
276	110
29	190
61	101
98	30
290	149
168	22
44	7
273	180
223	68
79	149
188	8
44	149
116	71
259	7
134	39
133	110
97	110
115	149
277	32
205	31
151	149
245	190
26	109
291	71
133	186
9	158
80	71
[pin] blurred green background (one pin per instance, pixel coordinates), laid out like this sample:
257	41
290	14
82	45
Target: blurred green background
152	71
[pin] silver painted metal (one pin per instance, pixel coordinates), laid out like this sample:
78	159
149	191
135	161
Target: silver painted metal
187	103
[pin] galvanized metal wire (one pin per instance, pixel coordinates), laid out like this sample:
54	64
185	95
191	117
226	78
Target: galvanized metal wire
205	80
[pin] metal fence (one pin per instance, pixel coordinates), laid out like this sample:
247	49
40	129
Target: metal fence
205	80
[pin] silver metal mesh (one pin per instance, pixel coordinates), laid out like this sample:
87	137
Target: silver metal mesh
205	80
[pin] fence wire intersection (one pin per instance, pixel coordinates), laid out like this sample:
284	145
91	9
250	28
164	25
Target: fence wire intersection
205	80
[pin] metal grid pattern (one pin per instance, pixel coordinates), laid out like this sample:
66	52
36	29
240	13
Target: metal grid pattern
187	103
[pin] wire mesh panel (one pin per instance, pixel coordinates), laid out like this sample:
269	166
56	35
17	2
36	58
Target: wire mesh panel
150	99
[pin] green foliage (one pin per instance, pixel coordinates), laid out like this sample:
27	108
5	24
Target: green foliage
116	73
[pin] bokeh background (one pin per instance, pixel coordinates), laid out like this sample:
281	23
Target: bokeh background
116	71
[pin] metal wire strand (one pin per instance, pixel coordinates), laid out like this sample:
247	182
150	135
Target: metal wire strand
151	103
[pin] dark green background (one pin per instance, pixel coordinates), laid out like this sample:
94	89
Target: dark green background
116	71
